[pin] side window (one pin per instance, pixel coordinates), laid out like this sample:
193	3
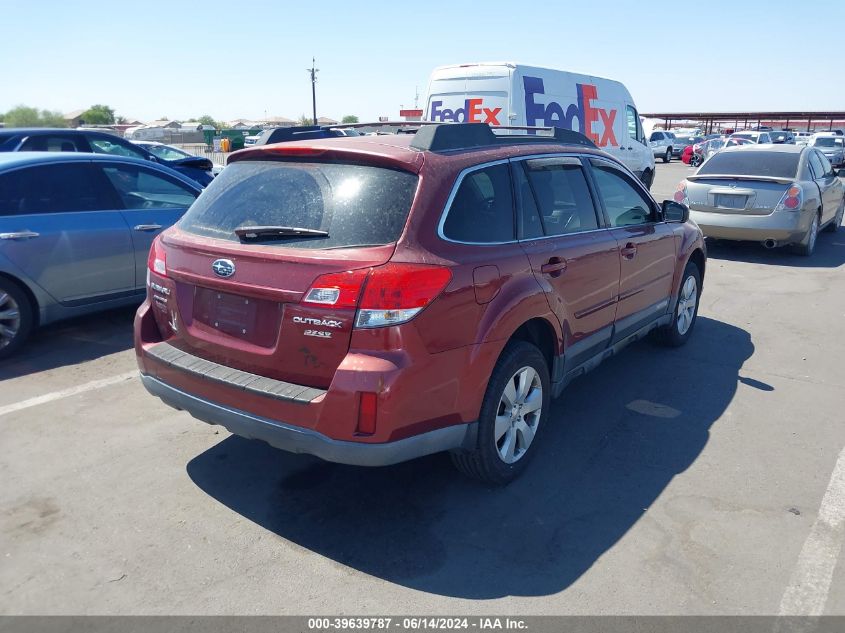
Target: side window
633	123
45	143
827	168
482	209
562	195
142	188
623	201
816	164
101	145
656	136
56	188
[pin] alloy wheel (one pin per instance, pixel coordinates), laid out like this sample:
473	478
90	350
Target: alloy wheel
10	319
686	305
518	414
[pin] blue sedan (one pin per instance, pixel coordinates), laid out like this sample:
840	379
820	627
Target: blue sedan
75	234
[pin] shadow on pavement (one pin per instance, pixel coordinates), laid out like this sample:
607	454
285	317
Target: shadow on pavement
73	341
830	252
615	440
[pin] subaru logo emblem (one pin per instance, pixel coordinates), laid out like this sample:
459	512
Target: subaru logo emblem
223	267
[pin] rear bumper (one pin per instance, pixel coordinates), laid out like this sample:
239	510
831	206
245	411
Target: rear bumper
300	440
785	227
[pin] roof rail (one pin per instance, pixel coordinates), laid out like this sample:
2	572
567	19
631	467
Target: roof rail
296	133
456	136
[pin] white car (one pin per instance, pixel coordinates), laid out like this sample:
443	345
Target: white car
760	137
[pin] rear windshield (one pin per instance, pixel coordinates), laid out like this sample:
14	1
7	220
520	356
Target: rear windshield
356	205
828	141
742	163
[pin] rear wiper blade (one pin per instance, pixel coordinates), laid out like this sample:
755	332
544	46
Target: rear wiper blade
272	232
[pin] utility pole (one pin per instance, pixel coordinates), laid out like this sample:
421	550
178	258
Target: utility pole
313	72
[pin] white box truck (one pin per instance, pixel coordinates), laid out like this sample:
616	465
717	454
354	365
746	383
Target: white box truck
505	93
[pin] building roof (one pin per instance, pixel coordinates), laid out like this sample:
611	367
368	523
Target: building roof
276	120
75	114
324	120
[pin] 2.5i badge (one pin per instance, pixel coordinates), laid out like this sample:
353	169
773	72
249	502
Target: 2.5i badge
317	333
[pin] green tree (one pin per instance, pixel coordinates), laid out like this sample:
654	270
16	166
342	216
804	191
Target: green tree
24	116
206	119
98	115
350	118
305	120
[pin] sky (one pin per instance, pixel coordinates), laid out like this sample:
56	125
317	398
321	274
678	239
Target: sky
248	59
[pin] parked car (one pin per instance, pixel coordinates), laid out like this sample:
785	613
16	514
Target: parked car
779	195
761	138
662	144
375	299
75	232
168	154
297	133
831	145
802	138
252	139
64	140
782	136
682	142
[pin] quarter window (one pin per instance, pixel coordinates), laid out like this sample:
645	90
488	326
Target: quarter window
624	203
633	123
482	209
816	165
827	168
562	195
53	189
141	188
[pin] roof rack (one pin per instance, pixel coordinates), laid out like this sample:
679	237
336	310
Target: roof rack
300	133
446	137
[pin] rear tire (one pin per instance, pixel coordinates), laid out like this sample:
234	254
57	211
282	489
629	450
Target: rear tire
514	410
16	317
668	155
808	245
685	315
648	178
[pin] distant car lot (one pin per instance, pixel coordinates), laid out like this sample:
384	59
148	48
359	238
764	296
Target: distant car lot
672	477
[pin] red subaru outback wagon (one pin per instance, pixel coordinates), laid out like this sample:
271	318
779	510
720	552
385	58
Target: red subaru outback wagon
375	299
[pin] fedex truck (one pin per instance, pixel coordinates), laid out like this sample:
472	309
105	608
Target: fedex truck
504	93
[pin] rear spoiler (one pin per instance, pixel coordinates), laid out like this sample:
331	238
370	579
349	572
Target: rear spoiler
782	181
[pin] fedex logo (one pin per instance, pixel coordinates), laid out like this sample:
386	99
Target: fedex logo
553	114
472	112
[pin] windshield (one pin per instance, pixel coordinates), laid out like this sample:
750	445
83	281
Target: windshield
753	163
748	136
356	205
167	153
828	141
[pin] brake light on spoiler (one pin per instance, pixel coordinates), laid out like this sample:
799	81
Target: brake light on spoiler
385	295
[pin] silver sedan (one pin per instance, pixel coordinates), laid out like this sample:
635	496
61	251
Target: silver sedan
778	195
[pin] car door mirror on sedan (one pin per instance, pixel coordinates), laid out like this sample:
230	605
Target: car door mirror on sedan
675	211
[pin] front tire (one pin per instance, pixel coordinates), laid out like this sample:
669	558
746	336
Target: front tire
685	315
668	155
648	178
16	317
515	408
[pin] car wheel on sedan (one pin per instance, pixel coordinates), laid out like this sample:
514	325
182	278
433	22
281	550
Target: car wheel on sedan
808	245
16	317
676	333
668	155
515	407
833	227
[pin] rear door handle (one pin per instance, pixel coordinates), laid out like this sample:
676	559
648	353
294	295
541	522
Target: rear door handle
19	235
629	250
147	227
554	267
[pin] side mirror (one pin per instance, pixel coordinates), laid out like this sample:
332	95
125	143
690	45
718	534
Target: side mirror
153	158
675	211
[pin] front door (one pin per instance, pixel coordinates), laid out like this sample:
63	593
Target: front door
646	247
573	257
60	228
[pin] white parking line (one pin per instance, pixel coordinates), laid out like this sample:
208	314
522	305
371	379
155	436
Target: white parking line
65	393
810	583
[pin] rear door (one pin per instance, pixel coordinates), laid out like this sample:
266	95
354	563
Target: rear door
151	202
647	250
60	226
574	258
237	301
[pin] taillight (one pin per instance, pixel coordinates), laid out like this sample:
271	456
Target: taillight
681	193
339	290
157	260
395	293
392	294
792	199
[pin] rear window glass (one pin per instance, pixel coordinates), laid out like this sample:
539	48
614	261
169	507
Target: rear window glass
740	163
828	141
356	205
